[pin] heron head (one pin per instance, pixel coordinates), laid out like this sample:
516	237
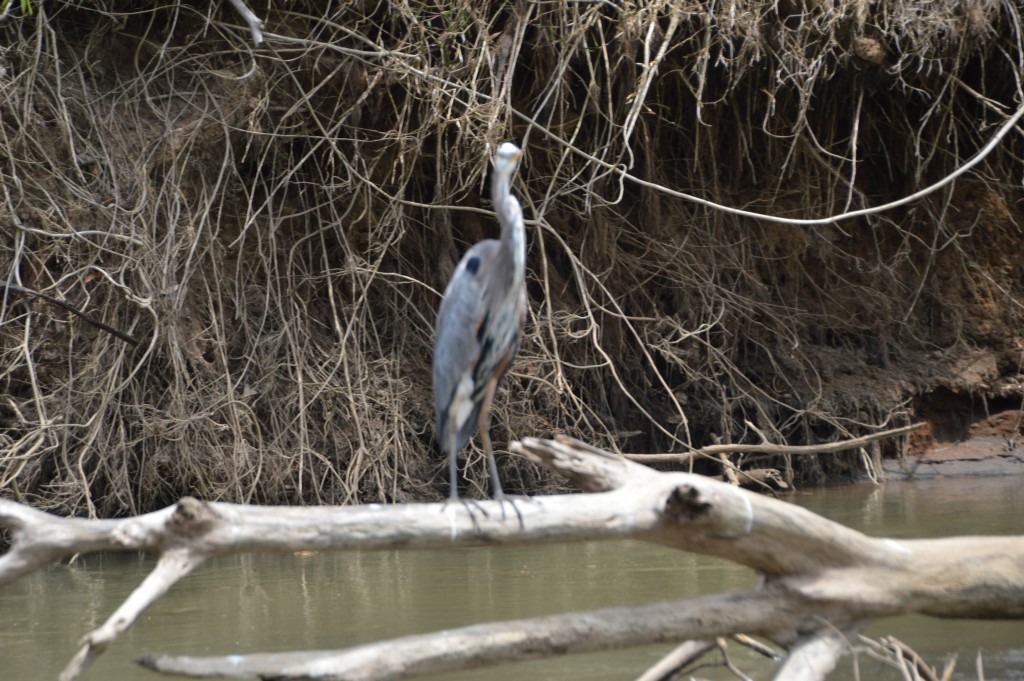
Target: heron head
506	158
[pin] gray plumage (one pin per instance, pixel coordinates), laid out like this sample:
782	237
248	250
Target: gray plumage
479	325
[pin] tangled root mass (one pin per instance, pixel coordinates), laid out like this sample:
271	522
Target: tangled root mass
277	222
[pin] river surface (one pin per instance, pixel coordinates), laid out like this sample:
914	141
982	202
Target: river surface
333	600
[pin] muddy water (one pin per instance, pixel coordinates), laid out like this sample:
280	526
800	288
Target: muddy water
254	603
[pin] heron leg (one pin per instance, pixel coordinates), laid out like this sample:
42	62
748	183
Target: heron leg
453	469
453	496
484	424
485	438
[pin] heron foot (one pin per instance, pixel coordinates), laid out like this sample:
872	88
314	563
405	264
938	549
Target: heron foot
472	507
511	499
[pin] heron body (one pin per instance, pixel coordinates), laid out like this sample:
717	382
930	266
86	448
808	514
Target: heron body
479	325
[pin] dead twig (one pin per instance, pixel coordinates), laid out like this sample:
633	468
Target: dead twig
72	309
899	655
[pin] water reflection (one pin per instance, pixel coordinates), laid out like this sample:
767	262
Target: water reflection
271	603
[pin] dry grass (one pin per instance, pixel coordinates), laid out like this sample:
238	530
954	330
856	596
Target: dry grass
277	223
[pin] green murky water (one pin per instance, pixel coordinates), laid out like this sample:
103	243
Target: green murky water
274	603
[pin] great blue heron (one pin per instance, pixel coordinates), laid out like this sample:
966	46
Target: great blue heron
479	325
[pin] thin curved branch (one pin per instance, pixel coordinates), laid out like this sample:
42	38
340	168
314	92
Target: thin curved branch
862	212
450	88
825	448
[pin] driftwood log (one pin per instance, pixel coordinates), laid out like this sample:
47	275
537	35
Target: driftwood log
821	582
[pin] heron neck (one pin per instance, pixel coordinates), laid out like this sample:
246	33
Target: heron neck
510	216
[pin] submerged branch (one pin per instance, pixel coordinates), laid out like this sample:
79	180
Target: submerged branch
682	655
482	645
814	658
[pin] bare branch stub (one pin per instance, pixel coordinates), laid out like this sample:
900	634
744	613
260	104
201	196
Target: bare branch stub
895	653
588	468
191	518
814	658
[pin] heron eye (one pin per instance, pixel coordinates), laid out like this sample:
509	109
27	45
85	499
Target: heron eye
473	264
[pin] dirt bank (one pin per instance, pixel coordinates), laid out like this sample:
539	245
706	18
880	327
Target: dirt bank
275	224
993	445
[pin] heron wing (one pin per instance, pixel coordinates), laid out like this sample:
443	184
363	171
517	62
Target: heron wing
456	343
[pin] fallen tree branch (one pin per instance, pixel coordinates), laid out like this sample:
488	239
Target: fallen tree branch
826	448
758	647
817	574
173	565
485	644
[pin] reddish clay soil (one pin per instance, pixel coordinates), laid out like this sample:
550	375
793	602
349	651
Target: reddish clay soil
994	446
